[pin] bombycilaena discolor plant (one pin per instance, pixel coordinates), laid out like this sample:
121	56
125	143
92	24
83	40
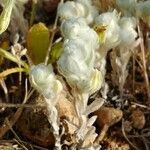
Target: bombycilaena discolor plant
76	64
88	36
82	63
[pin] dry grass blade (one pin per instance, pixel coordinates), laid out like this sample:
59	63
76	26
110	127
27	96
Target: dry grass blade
3	84
51	40
140	105
52	37
9	105
144	63
10	71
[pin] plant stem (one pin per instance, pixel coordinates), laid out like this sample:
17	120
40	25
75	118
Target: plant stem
33	12
51	40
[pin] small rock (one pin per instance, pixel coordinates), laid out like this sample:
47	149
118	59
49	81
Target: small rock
66	111
127	126
138	119
65	107
35	127
108	116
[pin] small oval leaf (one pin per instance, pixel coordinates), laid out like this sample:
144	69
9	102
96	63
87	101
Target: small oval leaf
37	42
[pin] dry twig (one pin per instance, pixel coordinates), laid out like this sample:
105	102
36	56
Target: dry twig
125	136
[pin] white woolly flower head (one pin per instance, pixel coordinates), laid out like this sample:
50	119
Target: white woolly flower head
128	33
110	21
72	27
77	58
43	80
70	9
76	65
79	8
90	11
76	28
107	17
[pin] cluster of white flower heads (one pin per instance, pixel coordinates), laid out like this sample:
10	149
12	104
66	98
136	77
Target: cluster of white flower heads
77	61
78	8
119	31
44	81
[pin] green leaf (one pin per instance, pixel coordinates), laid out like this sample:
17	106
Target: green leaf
56	51
37	42
5	15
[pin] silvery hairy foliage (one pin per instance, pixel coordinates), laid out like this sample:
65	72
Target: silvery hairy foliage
43	79
85	134
78	8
